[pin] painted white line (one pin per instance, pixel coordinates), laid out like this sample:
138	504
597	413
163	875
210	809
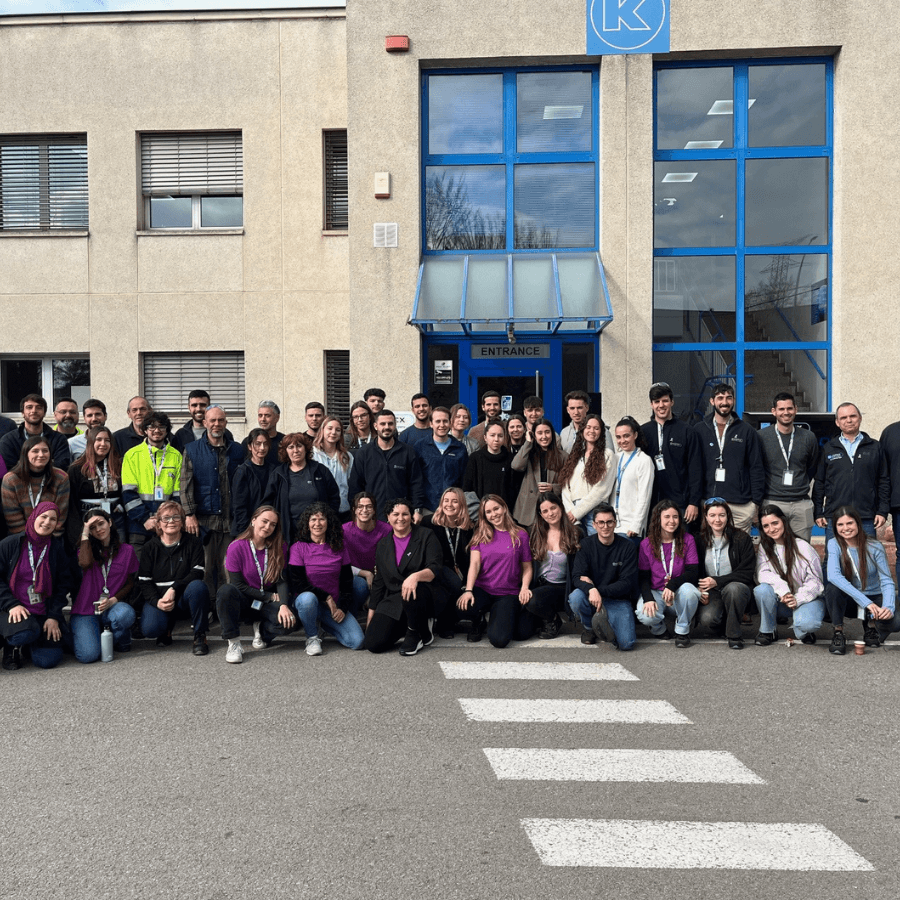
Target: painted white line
563	642
688	766
538	671
634	712
635	844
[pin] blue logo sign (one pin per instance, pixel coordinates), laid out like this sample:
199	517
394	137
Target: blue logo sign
627	26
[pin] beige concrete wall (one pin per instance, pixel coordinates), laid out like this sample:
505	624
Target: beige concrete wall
118	293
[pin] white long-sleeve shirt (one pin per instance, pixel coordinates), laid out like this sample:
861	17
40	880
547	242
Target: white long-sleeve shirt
632	494
579	497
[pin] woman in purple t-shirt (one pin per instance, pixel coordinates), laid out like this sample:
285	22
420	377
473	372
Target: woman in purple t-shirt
109	568
668	571
499	576
257	589
321	580
361	536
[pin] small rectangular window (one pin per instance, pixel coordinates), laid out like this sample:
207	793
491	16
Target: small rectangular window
52	377
169	377
336	206
43	182
193	179
337	384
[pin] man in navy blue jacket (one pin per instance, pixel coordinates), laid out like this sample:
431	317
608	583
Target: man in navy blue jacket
444	458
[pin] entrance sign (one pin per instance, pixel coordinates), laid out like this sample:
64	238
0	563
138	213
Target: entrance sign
510	351
627	26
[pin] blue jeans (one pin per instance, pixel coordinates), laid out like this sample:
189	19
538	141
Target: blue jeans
194	601
360	594
619	612
86	631
807	617
309	609
45	654
687	599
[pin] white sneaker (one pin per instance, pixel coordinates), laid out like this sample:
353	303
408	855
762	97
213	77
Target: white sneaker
258	642
235	652
314	646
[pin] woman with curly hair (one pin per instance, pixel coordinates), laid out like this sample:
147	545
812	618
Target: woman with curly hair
589	474
297	482
95	482
554	543
402	600
499	577
31	480
541	460
257	588
668	571
321	579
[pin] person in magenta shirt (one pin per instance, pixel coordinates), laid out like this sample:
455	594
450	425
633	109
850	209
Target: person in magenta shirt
33	586
321	579
668	571
257	589
361	536
499	577
108	570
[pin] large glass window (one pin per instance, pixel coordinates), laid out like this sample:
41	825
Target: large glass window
742	231
510	160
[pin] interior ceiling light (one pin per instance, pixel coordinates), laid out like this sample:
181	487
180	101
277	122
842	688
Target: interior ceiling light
726	107
563	112
680	177
703	145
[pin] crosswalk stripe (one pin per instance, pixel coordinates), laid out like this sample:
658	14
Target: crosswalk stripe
688	766
538	671
628	843
628	711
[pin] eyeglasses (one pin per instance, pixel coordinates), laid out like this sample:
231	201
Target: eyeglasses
155	428
362	506
661	384
360	418
714	501
168	520
260	444
605	523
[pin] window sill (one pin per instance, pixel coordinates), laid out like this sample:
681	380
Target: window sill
45	234
335	233
167	232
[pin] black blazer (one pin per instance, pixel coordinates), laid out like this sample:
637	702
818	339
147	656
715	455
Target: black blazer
423	552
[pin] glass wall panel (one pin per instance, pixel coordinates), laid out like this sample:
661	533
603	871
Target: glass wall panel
465	208
691	374
579	285
786	201
786	297
465	113
553	111
440	296
694	203
787	106
487	293
554	206
534	288
802	373
694	109
694	299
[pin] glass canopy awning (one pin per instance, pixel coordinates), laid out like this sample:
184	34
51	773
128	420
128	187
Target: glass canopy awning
532	293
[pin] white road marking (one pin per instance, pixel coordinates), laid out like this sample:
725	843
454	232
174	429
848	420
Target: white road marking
628	843
688	766
630	711
535	671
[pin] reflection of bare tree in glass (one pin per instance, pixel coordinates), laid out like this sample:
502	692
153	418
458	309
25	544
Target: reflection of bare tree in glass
69	372
453	222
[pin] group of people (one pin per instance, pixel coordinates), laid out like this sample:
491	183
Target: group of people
378	537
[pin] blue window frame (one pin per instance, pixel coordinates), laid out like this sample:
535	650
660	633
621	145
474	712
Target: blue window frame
743	155
510	160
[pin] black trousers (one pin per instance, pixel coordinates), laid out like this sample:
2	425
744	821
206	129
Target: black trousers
234	607
547	600
383	631
509	620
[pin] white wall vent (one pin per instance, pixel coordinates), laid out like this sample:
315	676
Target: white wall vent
385	234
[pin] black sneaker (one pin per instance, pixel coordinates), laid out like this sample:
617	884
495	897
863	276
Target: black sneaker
476	631
201	648
871	638
164	640
445	632
735	644
838	644
551	629
808	638
601	627
136	632
412	643
12	658
588	637
682	641
663	636
764	638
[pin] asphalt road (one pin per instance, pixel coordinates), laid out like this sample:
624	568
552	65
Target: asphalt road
163	775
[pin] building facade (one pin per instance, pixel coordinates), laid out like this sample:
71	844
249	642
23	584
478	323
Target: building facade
287	205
